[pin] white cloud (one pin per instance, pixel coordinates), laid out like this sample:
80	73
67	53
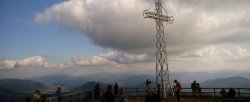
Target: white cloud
26	62
113	58
119	24
125	58
7	64
203	59
31	61
91	61
217	54
241	52
196	39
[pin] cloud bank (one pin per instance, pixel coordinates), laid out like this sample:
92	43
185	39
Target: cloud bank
206	35
120	24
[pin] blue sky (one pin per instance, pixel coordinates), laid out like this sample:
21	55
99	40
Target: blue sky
80	37
20	37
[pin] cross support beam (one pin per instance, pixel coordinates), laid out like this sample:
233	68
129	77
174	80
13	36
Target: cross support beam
148	14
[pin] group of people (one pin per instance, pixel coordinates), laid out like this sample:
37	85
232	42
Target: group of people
152	97
111	95
196	89
231	93
38	97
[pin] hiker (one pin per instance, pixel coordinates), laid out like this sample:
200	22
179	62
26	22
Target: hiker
122	96
198	87
231	93
223	92
37	96
97	91
109	96
116	89
158	89
152	97
177	90
59	94
193	87
148	82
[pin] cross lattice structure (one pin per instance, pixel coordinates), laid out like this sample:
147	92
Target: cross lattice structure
162	72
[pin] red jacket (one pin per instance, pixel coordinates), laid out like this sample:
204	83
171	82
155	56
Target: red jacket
178	87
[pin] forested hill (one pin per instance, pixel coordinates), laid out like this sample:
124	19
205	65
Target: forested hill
20	85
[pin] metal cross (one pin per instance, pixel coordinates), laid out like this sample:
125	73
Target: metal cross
162	73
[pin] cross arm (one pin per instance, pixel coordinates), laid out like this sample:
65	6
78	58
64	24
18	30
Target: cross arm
148	14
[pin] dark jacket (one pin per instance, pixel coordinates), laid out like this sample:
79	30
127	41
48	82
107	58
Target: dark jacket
109	97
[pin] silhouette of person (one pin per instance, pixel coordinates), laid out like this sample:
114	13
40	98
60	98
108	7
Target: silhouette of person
122	96
116	89
148	82
97	91
59	94
109	96
177	90
158	89
223	92
193	87
198	88
231	93
152	97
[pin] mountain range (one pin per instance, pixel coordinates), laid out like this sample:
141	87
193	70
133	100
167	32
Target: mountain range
135	80
18	89
11	87
234	82
21	85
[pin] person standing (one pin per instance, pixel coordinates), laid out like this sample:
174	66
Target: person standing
97	91
231	93
116	89
152	97
198	88
109	96
223	92
177	90
158	89
37	96
148	82
193	87
122	96
59	94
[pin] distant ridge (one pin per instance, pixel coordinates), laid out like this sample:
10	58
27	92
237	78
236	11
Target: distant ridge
17	89
62	80
20	85
234	82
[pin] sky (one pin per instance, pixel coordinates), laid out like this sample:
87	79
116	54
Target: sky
81	37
